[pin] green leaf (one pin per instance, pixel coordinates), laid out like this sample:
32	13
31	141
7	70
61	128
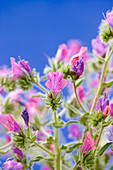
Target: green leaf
38	95
59	124
75	156
71	121
107	84
63	147
38	158
73	147
102	150
59	98
79	81
50	139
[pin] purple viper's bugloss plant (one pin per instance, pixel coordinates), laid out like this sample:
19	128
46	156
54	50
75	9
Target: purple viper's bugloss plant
109	18
25	116
18	152
103	102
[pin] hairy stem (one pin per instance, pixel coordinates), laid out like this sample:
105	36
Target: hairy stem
78	98
57	150
41	87
76	165
101	80
6	146
99	137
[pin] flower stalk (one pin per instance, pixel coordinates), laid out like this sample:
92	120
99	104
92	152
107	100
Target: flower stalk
57	150
78	100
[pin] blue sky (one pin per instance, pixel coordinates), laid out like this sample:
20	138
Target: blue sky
30	28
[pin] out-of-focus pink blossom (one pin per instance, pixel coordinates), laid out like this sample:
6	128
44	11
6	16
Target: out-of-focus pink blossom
56	82
4	71
74	46
111	152
8	138
15	95
46	167
82	54
63	53
52	148
99	47
81	93
33	105
106	111
111	110
10	165
9	123
88	142
74	131
17	71
41	136
109	18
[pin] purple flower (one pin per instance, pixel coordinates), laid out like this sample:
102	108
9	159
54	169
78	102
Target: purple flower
109	18
109	133
25	116
56	82
88	142
111	110
18	152
74	131
25	65
99	47
9	123
77	65
11	165
46	167
102	102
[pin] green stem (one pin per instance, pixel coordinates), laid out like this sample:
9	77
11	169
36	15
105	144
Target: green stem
101	80
78	98
6	146
41	87
44	149
57	150
99	138
76	165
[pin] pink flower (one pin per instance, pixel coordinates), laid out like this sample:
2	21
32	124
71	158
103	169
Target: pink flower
106	111
10	165
81	93
41	136
15	95
52	148
25	65
88	142
17	71
63	53
56	83
111	110
8	138
109	18
82	54
74	46
99	47
9	123
74	131
46	167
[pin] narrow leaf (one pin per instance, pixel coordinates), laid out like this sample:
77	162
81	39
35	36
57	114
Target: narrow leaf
102	150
